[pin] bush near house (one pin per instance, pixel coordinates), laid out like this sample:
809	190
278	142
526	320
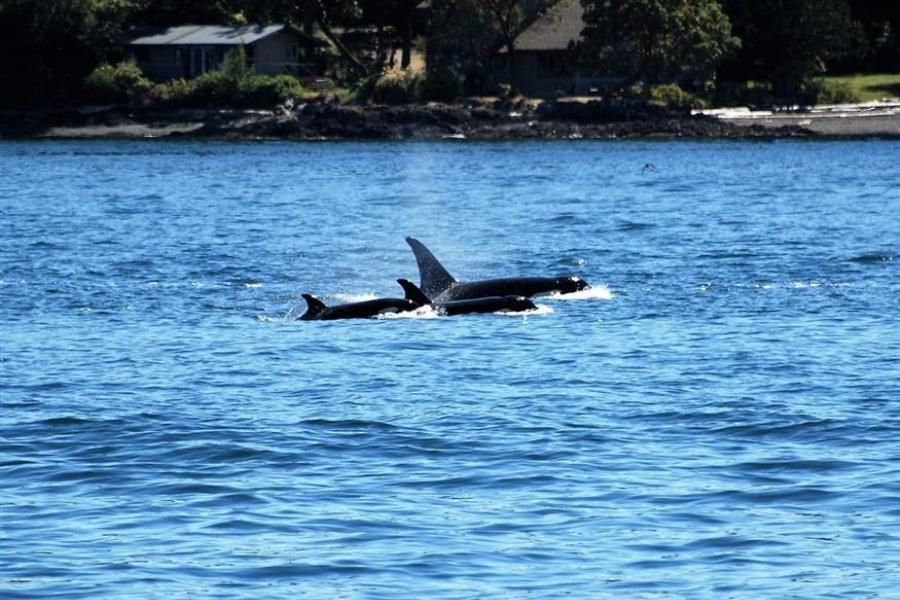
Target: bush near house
397	87
123	82
673	96
234	85
171	93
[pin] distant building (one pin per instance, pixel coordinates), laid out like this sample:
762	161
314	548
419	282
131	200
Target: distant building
545	61
191	50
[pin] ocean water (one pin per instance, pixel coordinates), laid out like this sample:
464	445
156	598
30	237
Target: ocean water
719	417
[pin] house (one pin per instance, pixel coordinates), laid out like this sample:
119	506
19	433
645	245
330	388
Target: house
191	50
545	64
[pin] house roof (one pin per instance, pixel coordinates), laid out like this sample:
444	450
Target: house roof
555	29
204	35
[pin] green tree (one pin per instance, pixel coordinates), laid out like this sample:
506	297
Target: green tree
460	41
508	20
881	22
655	41
789	42
48	47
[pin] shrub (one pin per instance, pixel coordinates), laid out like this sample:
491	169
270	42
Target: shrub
444	85
215	88
235	84
397	87
674	97
268	90
235	68
123	82
177	92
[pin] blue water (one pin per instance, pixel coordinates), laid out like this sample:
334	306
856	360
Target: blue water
718	418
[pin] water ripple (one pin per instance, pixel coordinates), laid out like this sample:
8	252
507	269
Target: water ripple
715	418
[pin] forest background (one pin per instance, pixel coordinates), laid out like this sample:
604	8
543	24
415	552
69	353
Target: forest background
61	52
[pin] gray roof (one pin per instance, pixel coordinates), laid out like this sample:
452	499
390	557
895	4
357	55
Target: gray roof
559	25
205	35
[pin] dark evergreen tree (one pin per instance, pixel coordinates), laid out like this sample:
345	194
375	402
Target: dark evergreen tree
49	46
788	42
881	23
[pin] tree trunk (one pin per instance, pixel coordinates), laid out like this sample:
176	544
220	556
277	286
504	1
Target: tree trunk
406	33
513	71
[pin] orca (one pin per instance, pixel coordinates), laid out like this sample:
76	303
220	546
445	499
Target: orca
441	287
367	309
488	304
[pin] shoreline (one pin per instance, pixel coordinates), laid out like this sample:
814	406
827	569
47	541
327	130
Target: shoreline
475	120
845	120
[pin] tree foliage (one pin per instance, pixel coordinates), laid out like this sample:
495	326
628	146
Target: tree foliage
466	34
880	22
460	41
394	20
508	18
788	42
655	41
325	14
49	46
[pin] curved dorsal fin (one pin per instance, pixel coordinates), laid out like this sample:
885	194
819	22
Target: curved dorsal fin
433	276
314	306
413	293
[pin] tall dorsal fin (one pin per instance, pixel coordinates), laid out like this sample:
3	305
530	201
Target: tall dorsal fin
314	306
413	293
434	277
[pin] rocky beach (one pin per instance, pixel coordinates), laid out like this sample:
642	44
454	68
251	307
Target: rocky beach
475	119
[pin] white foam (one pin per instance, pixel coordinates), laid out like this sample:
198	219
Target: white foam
423	312
597	292
271	319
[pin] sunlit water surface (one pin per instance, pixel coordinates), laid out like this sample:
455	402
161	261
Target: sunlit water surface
718	418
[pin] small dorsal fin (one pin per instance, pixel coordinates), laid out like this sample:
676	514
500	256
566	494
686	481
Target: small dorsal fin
434	278
413	293
314	306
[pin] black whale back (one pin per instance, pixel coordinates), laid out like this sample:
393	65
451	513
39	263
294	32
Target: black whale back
440	286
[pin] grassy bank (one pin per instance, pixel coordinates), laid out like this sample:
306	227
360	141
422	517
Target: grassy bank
869	87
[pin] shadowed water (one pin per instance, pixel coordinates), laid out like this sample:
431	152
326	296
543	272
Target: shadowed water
717	418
